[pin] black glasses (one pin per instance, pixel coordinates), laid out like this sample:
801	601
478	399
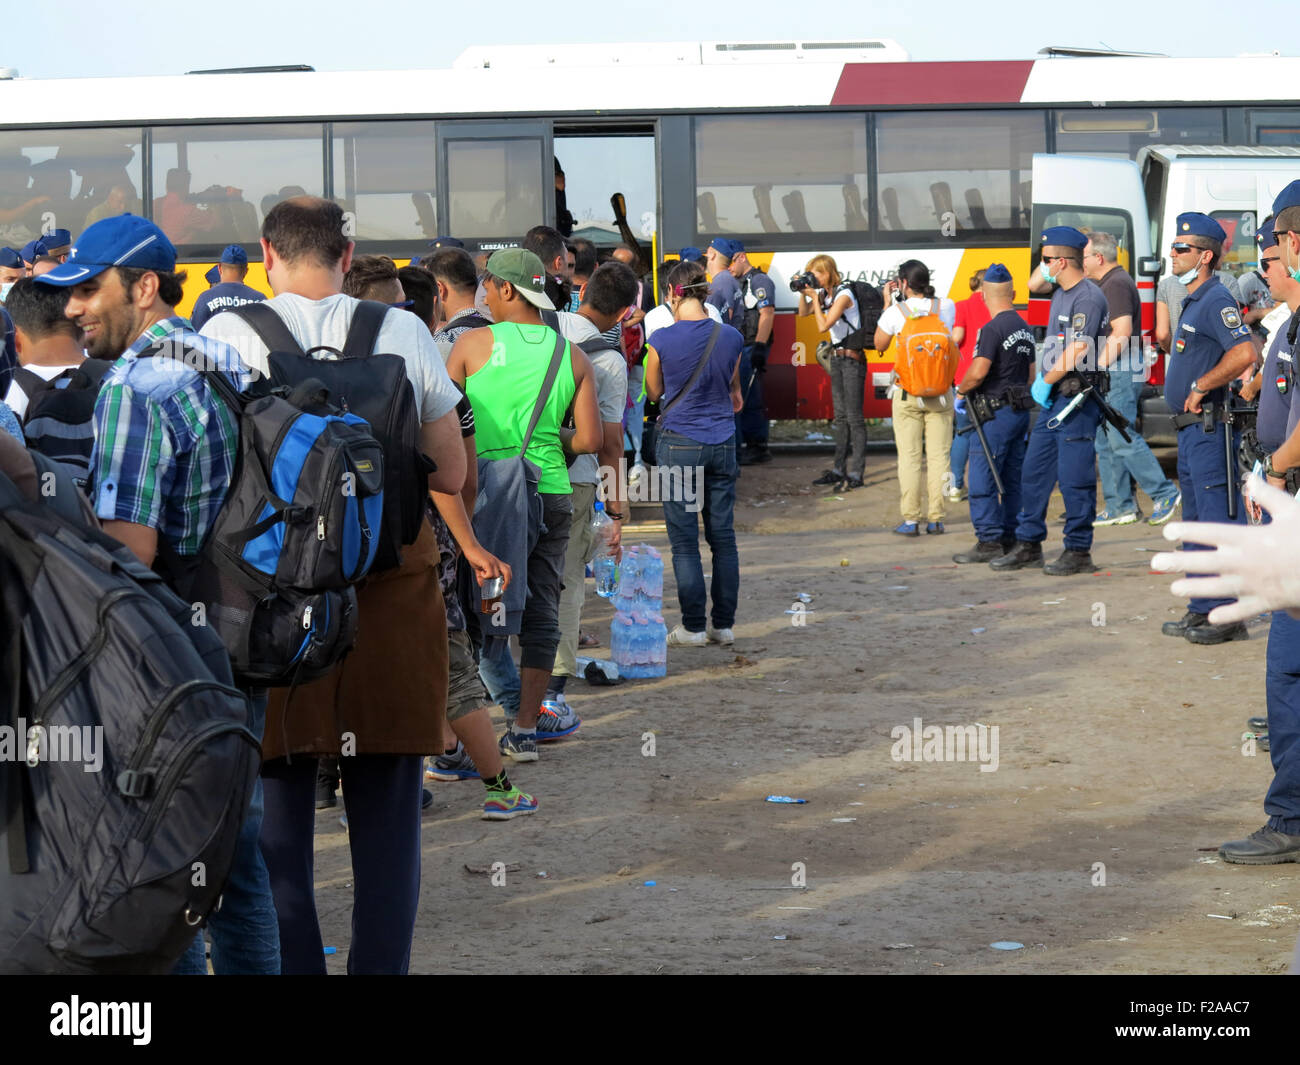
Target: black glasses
1183	249
1265	261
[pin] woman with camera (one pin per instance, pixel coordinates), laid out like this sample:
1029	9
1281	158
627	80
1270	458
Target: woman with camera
922	423
692	369
829	299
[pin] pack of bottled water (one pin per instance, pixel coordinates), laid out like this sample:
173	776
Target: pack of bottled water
639	638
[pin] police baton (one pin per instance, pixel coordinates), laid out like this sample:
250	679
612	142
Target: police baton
973	405
1111	415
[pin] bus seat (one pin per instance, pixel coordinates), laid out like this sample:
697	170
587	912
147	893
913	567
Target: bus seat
854	219
707	204
975	204
794	210
941	197
889	200
424	211
763	201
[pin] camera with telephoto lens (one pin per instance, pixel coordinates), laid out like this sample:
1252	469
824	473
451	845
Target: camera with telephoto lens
802	281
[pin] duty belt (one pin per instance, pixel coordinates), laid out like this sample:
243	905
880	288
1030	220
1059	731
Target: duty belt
1209	413
848	353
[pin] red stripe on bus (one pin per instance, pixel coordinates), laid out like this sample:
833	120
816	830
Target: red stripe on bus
1146	284
928	84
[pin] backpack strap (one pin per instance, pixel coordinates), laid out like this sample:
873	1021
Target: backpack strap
552	371
699	369
269	327
363	333
33	384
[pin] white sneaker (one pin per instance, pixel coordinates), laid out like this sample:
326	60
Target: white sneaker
1107	518
679	637
723	636
635	474
955	495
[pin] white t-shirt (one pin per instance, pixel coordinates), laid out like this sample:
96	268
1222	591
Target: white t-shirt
891	321
16	398
611	388
325	322
848	321
661	317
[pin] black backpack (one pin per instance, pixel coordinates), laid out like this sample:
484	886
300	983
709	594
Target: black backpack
109	871
372	386
870	306
59	421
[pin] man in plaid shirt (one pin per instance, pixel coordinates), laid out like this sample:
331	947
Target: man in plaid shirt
165	447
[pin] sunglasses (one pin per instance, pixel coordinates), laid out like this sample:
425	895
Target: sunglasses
1183	249
1266	261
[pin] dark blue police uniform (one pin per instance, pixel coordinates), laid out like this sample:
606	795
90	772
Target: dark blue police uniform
1009	345
1066	453
222	297
757	292
1210	324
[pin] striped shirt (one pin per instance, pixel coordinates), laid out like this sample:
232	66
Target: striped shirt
165	444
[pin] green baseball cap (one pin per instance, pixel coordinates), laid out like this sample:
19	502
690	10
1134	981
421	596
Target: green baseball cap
525	271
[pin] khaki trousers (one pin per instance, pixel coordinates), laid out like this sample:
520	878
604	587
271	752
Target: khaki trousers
581	545
922	426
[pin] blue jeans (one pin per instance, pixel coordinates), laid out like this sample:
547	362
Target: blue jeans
635	415
716	496
245	932
1282	686
1119	463
961	448
1066	454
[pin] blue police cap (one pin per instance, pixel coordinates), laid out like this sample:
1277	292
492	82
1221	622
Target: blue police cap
127	240
722	246
33	249
1288	197
1064	237
736	247
997	274
234	255
58	238
1195	224
1264	236
691	255
213	276
446	242
10	259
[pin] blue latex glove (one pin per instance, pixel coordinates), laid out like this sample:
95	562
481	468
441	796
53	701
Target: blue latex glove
1042	392
959	405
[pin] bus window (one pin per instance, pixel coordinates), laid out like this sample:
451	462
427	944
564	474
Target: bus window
1094	220
765	174
384	174
595	167
1280	127
494	186
65	179
212	185
945	175
1124	131
1239	255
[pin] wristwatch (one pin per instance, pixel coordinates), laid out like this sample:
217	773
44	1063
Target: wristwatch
1270	472
1198	389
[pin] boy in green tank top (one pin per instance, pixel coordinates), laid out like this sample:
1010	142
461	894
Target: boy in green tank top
502	370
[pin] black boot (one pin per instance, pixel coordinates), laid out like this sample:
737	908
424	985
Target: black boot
1188	621
1070	562
1019	557
984	551
1211	634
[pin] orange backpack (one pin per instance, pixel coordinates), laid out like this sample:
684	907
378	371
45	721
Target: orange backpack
926	357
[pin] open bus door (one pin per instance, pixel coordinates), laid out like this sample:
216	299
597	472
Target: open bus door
1106	196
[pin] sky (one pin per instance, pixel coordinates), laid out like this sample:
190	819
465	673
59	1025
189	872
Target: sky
78	38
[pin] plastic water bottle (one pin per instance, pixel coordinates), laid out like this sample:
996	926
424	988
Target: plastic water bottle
652	574
604	567
657	650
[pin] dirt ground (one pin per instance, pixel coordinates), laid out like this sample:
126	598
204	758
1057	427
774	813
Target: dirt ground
1120	759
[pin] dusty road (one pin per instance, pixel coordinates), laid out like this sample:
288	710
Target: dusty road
1119	769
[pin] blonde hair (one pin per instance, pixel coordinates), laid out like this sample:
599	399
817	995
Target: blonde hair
826	263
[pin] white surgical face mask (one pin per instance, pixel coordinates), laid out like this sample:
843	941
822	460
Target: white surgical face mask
4	290
1189	277
1049	277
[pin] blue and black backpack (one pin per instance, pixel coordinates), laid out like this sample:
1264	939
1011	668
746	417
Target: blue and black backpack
298	529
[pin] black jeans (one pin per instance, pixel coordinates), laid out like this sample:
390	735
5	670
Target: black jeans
381	793
848	387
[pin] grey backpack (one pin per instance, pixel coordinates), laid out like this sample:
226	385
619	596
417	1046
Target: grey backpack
130	762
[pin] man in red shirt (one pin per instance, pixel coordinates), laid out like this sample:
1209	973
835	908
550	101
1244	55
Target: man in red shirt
972	316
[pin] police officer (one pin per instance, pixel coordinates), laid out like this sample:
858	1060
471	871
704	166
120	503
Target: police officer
758	309
1211	347
230	290
58	244
1062	445
996	386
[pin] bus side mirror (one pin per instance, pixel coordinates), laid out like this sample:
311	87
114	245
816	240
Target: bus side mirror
1151	266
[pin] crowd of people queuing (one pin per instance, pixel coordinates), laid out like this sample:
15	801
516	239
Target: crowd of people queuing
531	370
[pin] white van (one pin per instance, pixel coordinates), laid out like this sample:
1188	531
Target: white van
1138	201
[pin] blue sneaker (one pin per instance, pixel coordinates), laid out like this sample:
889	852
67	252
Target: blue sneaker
935	527
456	766
556	719
908	528
1164	511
